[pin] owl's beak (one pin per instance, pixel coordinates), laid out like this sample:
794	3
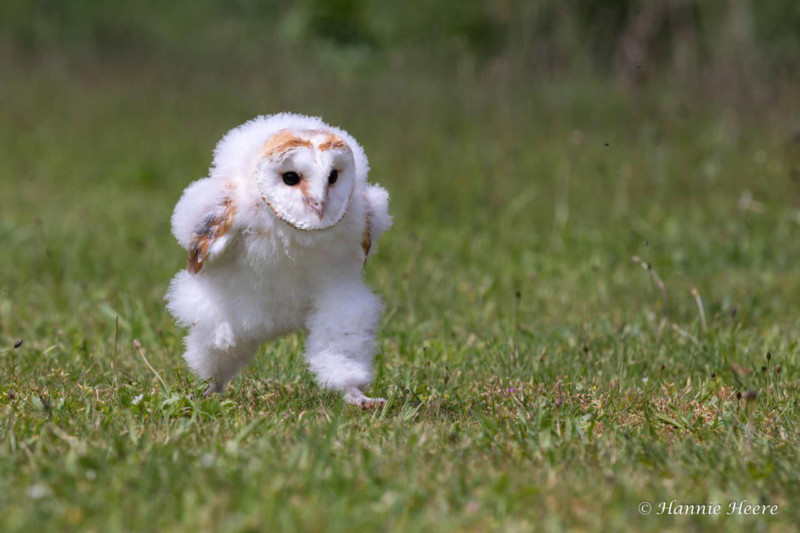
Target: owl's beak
316	206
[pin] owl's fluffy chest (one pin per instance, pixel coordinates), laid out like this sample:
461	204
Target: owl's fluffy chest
270	285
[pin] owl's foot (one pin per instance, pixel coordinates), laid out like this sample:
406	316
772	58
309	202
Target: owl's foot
354	396
214	388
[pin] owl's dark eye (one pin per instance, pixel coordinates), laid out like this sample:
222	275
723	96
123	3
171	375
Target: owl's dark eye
291	178
333	176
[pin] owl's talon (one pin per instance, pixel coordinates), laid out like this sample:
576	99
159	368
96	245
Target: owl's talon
356	397
214	388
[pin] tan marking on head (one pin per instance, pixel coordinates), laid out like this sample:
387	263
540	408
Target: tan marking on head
332	142
276	146
303	185
212	229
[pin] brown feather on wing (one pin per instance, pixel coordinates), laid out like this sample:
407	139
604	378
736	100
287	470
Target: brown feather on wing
213	227
366	236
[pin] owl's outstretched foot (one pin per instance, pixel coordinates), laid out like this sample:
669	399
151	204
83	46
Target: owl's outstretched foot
354	396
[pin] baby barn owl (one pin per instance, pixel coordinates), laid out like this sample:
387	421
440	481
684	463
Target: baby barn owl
277	237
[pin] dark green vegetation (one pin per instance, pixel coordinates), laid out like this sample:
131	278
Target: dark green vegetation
535	379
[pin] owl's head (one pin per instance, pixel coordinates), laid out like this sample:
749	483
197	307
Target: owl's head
306	176
300	169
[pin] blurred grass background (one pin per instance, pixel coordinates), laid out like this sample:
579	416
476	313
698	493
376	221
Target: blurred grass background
530	148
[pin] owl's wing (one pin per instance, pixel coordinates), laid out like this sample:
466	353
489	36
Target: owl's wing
203	221
378	219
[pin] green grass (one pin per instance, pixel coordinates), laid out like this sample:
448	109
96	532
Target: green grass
533	378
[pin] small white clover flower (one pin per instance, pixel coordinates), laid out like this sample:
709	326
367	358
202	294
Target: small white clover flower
39	491
137	399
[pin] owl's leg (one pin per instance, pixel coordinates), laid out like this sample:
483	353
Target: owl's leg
340	346
209	358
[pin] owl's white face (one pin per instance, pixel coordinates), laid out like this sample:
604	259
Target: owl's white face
306	177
